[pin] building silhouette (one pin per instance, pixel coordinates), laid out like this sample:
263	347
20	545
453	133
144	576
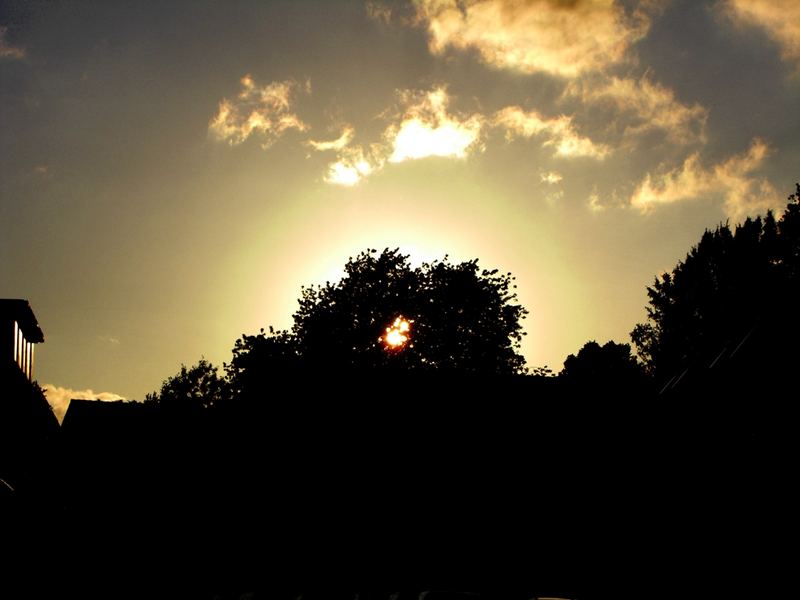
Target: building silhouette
18	323
28	427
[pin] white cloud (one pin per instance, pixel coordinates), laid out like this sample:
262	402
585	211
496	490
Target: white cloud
423	127
558	133
344	173
59	398
263	111
647	105
732	179
563	38
779	18
428	129
7	51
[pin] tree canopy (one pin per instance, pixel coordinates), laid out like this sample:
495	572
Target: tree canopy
735	281
454	318
199	386
609	364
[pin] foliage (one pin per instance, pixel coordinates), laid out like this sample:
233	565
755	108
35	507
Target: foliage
611	362
463	319
543	371
258	358
199	386
734	280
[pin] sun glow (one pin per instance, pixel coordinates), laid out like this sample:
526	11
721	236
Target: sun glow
397	335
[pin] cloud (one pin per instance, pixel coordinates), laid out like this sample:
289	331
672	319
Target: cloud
353	163
555	194
730	179
552	177
553	198
422	127
746	195
687	182
648	106
595	203
352	166
779	18
108	339
559	133
59	398
337	144
7	51
378	12
263	111
428	129
559	37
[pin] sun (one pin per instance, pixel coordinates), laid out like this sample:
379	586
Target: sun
397	335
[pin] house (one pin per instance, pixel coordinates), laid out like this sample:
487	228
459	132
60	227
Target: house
20	333
28	427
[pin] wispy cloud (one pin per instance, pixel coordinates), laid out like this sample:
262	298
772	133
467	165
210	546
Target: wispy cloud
262	111
59	398
424	125
379	12
559	133
554	197
559	37
732	179
353	165
780	19
595	203
337	144
6	50
645	106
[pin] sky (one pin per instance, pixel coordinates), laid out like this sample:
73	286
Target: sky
171	174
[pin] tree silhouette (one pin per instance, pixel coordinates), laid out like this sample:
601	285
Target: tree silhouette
258	359
611	363
459	318
199	386
734	282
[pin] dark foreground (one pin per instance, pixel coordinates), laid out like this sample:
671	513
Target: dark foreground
507	488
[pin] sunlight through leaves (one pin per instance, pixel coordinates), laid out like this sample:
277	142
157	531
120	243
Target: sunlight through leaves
397	335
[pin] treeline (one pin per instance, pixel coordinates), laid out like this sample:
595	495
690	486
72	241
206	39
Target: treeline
728	309
737	290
